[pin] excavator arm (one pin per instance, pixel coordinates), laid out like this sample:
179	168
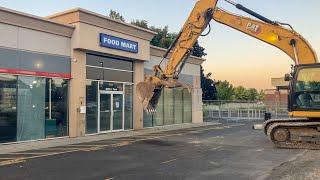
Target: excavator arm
273	33
149	91
264	29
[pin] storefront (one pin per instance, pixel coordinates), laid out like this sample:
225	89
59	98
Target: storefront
177	106
34	77
109	94
74	74
108	61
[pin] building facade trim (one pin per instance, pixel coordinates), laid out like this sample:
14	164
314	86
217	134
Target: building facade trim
159	52
81	15
11	17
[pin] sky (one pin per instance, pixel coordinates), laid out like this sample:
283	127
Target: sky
232	56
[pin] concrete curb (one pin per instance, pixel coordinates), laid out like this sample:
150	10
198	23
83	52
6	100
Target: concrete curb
41	144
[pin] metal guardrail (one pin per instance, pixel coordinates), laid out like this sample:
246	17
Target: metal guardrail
242	110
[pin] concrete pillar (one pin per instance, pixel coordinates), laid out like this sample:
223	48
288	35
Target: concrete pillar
138	76
77	94
197	105
197	111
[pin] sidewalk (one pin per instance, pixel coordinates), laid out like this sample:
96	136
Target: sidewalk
41	144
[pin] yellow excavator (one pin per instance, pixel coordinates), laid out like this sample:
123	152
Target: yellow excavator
302	129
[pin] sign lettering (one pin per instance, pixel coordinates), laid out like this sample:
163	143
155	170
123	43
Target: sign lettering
118	43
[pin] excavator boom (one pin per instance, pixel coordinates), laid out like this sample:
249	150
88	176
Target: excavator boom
273	33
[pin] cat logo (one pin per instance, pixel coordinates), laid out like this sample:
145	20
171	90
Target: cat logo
254	28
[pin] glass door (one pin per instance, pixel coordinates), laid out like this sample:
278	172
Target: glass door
105	113
111	114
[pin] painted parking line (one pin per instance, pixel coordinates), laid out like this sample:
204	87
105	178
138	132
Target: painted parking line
6	158
169	161
12	161
87	148
84	145
22	160
26	153
59	149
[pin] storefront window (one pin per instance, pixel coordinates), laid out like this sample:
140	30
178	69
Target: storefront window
128	107
174	107
8	108
187	106
169	108
56	108
158	119
109	69
31	108
178	106
92	107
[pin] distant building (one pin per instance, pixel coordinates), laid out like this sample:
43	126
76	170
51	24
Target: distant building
276	99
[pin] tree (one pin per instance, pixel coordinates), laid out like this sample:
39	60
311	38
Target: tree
208	86
140	23
164	38
116	15
224	90
241	94
253	94
261	95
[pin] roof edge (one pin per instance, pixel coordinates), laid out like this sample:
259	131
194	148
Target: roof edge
98	15
164	50
35	17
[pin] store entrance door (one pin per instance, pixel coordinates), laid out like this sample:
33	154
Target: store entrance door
111	111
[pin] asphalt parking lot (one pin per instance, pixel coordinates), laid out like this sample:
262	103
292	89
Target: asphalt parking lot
226	151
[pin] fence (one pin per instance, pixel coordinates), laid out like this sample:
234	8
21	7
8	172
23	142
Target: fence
242	110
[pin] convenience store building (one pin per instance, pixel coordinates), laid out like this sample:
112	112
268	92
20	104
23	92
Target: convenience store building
74	73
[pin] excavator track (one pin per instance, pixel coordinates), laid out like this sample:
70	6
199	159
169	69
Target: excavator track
295	134
272	121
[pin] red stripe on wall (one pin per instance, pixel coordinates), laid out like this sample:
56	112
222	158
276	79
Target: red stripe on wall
36	73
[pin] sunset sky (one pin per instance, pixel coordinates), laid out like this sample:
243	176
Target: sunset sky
232	55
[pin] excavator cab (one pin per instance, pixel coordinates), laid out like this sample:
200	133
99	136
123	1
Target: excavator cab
305	91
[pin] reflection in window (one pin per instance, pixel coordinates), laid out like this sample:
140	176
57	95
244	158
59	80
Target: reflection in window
308	80
8	108
109	62
174	107
109	75
31	108
307	101
92	107
307	89
128	107
56	108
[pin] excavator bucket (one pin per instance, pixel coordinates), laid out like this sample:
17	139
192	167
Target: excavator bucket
149	95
